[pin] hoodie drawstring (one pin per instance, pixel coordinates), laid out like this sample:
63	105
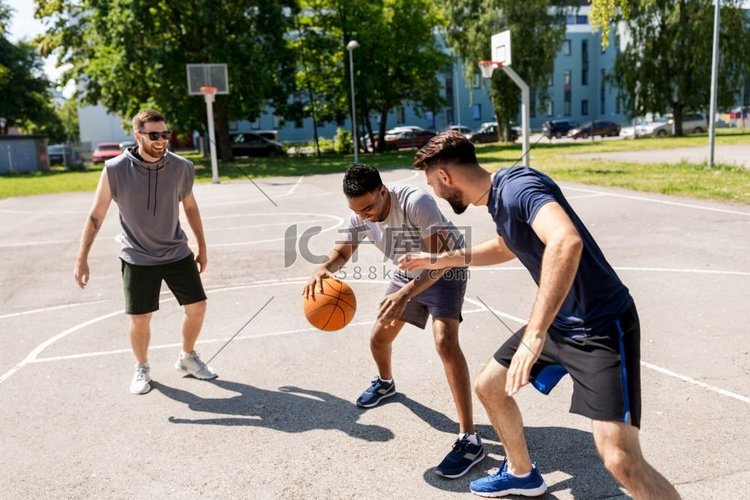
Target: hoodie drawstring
156	189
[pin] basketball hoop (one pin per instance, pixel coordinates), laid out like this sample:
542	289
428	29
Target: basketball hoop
487	67
208	90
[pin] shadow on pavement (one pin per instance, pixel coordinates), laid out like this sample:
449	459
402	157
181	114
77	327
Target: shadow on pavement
290	409
555	449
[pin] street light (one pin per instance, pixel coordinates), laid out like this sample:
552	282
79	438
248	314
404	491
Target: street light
350	47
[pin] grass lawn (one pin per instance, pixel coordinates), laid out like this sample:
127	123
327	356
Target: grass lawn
723	183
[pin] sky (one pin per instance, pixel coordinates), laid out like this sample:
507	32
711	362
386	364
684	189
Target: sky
23	25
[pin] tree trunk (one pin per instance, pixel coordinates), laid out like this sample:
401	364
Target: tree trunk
383	126
677	116
223	142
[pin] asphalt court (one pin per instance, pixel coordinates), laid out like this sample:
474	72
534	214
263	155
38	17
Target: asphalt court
280	422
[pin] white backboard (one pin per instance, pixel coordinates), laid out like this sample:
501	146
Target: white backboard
214	75
500	44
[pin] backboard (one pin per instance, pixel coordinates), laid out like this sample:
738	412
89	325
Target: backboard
501	47
207	75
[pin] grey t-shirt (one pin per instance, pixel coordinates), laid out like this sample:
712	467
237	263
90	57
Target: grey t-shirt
148	196
413	216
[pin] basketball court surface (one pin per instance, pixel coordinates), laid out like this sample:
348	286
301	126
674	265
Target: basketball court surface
280	421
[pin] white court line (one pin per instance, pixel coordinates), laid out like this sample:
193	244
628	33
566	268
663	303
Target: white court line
584	196
291	190
33	357
256	226
36	243
52	308
690	380
660	201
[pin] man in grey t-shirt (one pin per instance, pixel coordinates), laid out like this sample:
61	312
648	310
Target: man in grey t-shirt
148	183
398	220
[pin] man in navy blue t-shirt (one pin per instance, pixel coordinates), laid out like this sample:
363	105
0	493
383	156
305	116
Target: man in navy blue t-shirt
583	321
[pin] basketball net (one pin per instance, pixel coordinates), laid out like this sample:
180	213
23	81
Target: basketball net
208	91
487	67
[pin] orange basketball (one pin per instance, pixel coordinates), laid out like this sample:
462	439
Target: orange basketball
332	309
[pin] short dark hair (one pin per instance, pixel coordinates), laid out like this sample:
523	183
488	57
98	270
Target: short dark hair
361	179
447	147
146	116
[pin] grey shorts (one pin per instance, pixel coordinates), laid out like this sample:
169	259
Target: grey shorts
444	299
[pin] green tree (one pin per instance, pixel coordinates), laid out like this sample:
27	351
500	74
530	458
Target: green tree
26	92
666	64
537	32
130	54
398	60
68	114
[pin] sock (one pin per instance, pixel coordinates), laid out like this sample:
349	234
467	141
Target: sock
387	381
184	354
473	438
520	476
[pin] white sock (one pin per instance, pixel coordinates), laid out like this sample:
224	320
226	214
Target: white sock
185	354
387	381
473	439
521	476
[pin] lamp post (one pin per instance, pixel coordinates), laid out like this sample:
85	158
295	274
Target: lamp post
350	47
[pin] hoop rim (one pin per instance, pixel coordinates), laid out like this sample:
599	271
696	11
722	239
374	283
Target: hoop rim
489	62
487	67
208	90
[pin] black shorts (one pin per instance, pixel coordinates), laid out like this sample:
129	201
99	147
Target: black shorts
143	284
605	368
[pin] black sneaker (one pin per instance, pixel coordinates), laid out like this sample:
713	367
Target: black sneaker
377	392
461	458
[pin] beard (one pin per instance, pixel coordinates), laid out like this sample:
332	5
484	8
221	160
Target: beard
454	197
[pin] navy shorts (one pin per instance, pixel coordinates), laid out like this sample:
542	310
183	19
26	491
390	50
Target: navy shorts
444	299
605	368
142	284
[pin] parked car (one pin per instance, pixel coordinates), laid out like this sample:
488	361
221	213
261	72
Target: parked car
557	128
467	131
692	123
250	144
59	154
104	151
597	127
488	132
409	138
126	144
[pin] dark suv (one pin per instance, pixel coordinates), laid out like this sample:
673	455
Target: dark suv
557	128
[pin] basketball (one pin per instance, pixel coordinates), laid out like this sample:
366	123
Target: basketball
331	309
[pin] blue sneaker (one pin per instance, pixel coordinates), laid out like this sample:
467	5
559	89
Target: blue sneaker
461	458
504	483
377	392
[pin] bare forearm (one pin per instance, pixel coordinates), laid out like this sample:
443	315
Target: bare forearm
194	220
90	230
559	267
337	258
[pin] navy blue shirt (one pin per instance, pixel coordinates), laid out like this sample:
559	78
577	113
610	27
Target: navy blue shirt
597	297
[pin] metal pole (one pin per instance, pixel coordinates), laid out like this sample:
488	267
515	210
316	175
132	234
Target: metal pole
212	137
355	137
458	97
714	88
525	107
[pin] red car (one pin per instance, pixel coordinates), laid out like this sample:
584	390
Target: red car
410	138
104	151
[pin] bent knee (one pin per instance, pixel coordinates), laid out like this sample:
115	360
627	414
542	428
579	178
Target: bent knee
490	383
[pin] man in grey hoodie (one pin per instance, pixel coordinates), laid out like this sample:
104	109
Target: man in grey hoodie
148	182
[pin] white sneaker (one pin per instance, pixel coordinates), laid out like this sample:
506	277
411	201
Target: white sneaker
141	379
193	365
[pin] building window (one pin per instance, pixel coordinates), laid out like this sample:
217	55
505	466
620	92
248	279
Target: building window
400	115
584	62
603	94
551	108
617	105
585	107
476	111
276	122
567	92
566	47
582	19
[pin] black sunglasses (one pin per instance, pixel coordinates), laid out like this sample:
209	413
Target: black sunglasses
154	136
